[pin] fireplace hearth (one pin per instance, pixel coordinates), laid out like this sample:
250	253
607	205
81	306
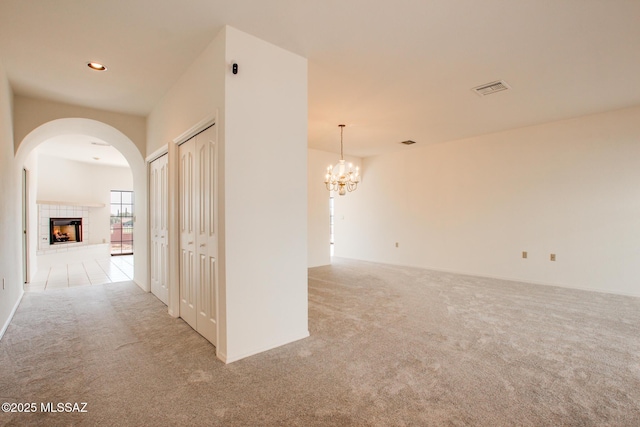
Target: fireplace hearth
65	230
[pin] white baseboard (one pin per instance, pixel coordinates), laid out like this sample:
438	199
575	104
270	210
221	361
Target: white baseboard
510	279
536	282
144	288
13	311
234	358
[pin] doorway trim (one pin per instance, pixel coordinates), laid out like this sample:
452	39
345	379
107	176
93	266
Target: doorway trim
171	149
163	150
208	121
25	226
174	230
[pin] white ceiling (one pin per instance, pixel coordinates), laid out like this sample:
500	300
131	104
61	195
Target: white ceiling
391	70
81	148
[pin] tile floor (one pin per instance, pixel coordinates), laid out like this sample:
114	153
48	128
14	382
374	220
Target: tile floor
95	272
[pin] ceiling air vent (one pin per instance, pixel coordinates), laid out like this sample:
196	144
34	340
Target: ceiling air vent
489	88
408	142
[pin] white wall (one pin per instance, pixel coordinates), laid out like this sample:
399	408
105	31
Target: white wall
262	128
11	280
266	196
472	206
70	181
197	94
30	113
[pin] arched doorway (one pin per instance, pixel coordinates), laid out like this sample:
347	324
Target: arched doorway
104	132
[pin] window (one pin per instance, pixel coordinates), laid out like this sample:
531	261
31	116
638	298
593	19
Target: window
331	225
121	222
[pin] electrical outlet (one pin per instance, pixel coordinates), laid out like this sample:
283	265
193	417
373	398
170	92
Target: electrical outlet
552	257
524	254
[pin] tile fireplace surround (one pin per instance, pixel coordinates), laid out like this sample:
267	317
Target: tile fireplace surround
48	211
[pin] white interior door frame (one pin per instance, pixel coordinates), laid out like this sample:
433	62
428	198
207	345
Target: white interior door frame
174	229
157	166
25	225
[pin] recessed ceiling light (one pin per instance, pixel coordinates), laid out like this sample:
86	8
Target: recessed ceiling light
101	144
96	158
408	142
96	66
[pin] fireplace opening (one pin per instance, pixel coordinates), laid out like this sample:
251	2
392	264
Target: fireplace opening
65	230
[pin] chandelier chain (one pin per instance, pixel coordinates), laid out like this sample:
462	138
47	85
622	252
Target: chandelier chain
341	146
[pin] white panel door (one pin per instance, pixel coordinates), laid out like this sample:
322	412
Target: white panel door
158	210
198	238
187	211
206	234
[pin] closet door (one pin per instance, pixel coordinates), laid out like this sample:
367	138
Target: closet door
198	238
206	238
158	210
187	211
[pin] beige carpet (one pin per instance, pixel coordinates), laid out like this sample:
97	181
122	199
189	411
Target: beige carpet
389	346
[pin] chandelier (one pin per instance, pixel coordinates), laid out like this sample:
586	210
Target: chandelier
340	178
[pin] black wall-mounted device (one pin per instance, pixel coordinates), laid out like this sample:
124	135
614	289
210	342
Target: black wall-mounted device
234	68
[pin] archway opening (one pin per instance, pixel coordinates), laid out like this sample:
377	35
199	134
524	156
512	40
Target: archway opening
83	204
